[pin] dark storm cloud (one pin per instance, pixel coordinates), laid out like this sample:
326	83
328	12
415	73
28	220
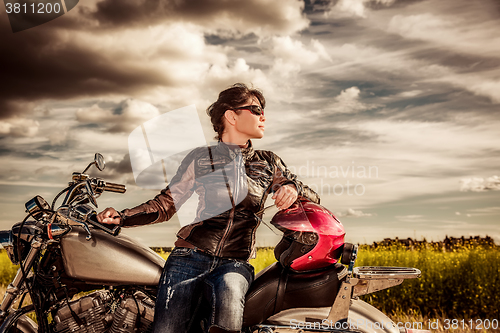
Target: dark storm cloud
34	150
36	64
269	14
461	62
333	137
406	78
318	6
45	63
378	5
122	166
322	6
117	171
328	135
7	152
113	169
400	99
121	118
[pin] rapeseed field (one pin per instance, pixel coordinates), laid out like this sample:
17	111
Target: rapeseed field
458	286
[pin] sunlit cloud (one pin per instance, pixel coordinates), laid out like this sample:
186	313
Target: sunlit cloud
353	213
480	184
124	118
18	127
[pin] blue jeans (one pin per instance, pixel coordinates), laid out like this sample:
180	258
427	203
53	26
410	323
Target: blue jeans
191	277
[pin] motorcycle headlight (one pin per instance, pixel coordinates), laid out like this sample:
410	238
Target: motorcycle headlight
18	249
37	207
7	241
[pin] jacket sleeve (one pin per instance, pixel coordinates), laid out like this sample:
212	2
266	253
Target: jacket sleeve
165	204
283	176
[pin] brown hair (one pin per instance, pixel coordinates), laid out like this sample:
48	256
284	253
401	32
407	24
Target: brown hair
230	98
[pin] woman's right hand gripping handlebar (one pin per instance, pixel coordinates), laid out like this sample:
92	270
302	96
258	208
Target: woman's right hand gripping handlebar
109	215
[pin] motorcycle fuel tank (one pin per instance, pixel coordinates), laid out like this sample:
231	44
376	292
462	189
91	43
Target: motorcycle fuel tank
110	260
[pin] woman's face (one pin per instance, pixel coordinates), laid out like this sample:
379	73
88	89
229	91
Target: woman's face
249	124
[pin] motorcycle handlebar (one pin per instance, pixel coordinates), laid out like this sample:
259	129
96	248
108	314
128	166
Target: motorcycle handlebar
112	231
117	188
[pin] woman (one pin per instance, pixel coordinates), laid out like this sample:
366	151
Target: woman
210	258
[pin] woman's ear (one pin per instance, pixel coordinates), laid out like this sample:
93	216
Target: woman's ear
230	116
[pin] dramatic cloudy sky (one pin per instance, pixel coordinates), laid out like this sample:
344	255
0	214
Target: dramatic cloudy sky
388	108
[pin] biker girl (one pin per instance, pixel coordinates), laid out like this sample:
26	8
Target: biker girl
210	260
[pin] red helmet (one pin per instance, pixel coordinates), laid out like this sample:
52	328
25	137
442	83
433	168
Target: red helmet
312	236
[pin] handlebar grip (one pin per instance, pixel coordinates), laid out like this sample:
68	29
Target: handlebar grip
117	188
93	221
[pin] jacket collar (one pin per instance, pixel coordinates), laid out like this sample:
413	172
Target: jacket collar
248	151
233	150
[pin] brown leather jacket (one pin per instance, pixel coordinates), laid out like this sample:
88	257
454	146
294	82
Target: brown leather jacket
233	184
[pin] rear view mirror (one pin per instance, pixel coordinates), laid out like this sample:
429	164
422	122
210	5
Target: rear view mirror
99	161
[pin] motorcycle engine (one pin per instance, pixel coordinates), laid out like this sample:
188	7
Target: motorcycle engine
134	312
92	314
87	314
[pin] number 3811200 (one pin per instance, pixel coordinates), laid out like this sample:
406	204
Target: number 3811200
39	8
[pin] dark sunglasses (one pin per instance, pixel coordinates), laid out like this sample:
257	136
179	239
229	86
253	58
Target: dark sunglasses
255	109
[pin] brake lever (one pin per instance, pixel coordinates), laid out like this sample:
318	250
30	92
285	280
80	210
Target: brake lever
90	193
87	229
84	215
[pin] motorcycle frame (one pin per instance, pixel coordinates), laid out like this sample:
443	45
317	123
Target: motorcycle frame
358	281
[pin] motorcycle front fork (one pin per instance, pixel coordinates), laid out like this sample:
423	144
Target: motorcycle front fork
15	287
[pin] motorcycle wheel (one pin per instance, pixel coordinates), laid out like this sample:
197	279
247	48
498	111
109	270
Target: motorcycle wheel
22	325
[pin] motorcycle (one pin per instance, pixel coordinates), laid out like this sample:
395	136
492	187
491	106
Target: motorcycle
83	276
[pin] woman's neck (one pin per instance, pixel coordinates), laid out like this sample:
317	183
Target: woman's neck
239	140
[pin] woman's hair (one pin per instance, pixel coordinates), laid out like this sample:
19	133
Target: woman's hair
232	97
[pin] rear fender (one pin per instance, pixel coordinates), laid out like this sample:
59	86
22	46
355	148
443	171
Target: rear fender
362	317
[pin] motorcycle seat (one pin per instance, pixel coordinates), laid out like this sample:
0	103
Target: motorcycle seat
279	288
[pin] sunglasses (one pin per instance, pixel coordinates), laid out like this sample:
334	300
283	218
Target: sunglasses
255	109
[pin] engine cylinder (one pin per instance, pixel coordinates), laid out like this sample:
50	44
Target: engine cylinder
85	315
131	308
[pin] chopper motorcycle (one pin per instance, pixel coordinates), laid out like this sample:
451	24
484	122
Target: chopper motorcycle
83	276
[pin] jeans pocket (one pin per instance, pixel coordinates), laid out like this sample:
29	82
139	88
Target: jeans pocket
246	264
181	251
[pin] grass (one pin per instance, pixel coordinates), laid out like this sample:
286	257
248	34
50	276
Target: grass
264	258
7	269
463	284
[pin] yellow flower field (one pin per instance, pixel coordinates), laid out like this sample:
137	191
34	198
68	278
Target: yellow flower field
457	288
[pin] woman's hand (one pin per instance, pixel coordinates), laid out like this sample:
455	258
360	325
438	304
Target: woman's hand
285	196
109	215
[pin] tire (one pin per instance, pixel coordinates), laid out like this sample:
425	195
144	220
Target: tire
22	325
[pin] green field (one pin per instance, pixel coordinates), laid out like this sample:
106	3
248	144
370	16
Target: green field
7	269
461	284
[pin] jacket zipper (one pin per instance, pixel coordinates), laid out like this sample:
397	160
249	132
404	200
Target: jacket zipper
231	214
